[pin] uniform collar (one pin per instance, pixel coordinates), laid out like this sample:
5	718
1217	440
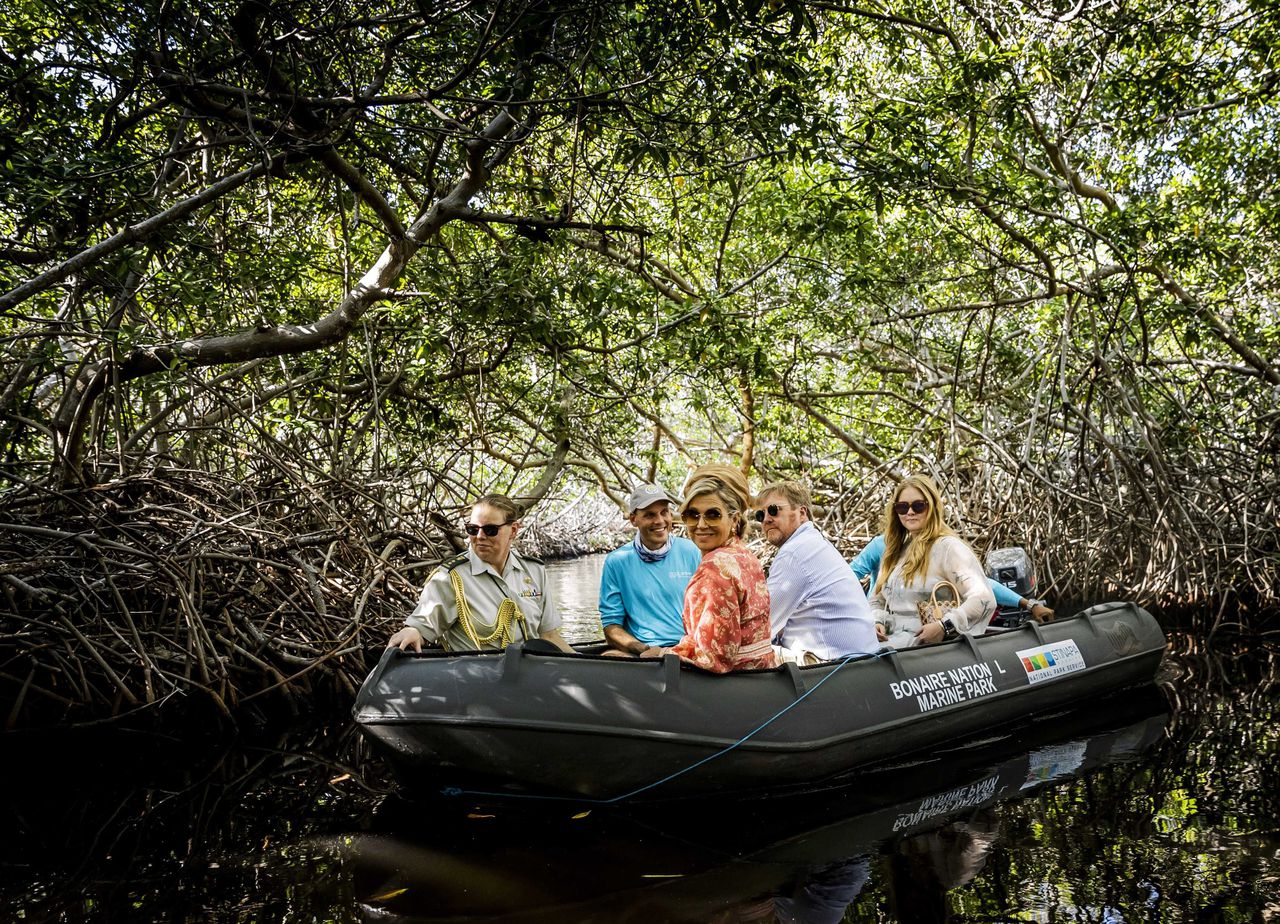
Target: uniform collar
480	566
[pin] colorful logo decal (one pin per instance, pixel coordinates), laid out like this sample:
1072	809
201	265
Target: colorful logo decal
1049	661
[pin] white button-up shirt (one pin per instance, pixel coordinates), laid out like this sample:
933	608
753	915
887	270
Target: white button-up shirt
815	601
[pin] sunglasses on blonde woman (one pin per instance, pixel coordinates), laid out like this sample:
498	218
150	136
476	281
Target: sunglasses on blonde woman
712	515
902	508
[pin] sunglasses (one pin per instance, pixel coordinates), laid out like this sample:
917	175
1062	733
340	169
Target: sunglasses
489	529
711	516
902	508
771	510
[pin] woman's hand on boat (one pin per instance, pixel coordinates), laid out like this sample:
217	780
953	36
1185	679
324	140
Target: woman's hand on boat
930	633
881	636
408	637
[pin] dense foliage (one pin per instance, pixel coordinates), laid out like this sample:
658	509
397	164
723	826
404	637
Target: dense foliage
367	261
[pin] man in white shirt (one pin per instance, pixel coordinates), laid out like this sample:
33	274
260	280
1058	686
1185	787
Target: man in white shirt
817	608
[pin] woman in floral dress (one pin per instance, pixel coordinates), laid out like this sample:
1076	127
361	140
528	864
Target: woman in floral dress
726	605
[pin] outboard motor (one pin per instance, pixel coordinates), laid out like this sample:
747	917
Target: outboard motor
1013	568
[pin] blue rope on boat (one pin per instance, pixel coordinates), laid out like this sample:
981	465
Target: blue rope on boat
455	791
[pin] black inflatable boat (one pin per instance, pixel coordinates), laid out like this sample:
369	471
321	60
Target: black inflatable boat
534	723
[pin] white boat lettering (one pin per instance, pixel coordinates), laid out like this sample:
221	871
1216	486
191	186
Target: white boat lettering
947	696
914	686
979	688
969	672
945	688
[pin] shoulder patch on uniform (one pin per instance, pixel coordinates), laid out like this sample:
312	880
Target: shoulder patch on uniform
449	564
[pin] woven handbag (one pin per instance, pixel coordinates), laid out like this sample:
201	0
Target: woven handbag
933	609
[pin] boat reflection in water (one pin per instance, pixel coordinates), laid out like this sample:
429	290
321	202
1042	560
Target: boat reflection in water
929	825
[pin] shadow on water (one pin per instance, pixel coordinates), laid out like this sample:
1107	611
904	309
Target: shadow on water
114	825
1159	807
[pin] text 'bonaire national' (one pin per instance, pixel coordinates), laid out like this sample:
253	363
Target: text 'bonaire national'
943	688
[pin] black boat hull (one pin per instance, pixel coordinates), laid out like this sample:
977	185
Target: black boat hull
520	722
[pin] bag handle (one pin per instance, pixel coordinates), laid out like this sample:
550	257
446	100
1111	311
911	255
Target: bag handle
955	594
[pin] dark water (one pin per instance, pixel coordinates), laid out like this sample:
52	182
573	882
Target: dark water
1156	807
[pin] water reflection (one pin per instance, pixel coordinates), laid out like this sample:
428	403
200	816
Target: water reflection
1093	815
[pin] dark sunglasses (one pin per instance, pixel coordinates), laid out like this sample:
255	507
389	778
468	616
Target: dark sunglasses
489	529
711	516
771	510
902	508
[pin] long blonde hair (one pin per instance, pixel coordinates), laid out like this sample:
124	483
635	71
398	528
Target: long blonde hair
898	544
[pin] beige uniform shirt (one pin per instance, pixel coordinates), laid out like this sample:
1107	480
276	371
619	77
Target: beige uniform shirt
523	580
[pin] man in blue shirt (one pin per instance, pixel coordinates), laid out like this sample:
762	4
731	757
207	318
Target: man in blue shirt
642	586
816	606
867	568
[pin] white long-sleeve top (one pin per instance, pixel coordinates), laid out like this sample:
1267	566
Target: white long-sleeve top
894	603
815	602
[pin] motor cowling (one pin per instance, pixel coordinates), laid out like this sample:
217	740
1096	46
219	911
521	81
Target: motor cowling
1013	568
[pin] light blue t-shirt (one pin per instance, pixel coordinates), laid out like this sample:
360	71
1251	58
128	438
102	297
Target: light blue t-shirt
867	564
647	598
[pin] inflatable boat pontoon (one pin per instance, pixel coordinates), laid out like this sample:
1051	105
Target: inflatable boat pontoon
524	722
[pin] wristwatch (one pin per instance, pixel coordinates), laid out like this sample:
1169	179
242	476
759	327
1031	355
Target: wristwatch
949	630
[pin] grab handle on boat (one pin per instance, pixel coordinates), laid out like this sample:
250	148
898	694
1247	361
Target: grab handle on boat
511	656
793	674
670	673
388	655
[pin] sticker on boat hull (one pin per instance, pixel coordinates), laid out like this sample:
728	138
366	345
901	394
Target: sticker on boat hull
1049	661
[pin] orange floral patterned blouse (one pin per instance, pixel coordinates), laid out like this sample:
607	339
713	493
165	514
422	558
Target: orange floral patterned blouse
726	612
